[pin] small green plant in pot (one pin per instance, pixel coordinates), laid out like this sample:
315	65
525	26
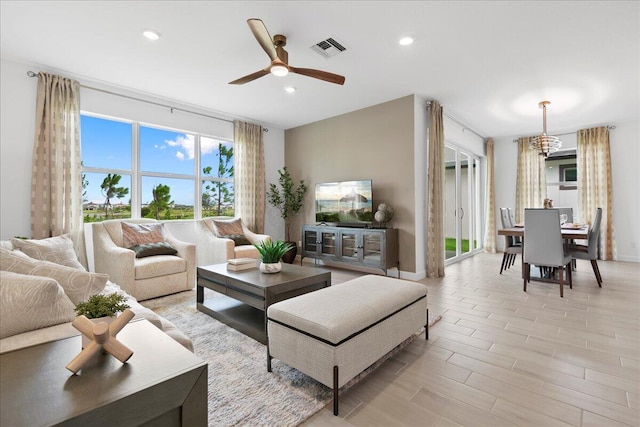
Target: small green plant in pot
271	253
99	305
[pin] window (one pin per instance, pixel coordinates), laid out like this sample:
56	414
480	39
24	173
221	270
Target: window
217	177
568	176
562	179
139	170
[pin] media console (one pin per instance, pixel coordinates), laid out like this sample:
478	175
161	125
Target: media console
365	247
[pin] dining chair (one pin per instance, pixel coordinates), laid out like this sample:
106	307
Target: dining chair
590	250
516	239
568	212
511	247
543	245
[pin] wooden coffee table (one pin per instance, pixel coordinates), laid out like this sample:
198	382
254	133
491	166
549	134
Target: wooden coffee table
163	384
247	294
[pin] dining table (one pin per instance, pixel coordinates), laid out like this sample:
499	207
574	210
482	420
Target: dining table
570	231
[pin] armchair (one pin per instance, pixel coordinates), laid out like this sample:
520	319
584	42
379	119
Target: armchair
147	277
212	249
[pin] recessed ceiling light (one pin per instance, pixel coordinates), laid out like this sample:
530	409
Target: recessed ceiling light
151	34
406	41
290	89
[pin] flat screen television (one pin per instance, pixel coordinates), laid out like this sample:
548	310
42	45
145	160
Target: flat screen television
344	203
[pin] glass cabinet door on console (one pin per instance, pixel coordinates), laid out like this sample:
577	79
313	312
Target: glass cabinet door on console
328	246
310	242
372	248
349	245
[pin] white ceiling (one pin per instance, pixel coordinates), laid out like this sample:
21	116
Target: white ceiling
488	63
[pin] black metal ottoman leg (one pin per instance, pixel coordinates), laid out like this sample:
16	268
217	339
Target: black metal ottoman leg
335	390
426	327
268	359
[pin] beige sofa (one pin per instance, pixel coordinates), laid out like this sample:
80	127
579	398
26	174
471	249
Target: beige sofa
55	331
147	277
212	249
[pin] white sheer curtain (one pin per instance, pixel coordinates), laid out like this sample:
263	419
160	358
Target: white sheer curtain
56	180
594	185
435	192
531	182
490	230
249	175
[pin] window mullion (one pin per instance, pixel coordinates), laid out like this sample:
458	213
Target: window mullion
197	185
136	179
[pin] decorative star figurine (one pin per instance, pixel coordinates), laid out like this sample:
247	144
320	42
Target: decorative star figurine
103	336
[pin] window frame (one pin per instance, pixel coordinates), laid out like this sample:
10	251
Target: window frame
137	174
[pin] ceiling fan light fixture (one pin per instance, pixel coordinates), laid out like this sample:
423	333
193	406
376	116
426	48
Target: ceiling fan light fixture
279	70
545	144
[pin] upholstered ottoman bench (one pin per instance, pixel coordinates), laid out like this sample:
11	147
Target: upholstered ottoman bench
335	333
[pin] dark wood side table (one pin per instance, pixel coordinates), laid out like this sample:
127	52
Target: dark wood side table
247	294
163	384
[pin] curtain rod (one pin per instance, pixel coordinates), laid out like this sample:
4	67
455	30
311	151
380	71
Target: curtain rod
172	109
458	122
610	127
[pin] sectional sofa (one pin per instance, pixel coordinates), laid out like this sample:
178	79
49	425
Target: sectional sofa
40	283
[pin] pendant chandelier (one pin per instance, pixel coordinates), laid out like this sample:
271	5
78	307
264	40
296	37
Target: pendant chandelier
545	144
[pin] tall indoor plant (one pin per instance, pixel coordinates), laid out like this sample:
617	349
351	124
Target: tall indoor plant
289	200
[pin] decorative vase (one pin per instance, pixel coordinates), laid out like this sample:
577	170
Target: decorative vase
108	320
290	256
270	267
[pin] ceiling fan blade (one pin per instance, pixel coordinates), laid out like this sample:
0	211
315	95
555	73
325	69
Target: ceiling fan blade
261	34
250	77
317	74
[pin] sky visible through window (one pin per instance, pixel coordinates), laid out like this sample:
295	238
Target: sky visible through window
107	144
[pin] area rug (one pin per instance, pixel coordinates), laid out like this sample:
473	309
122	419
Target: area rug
241	391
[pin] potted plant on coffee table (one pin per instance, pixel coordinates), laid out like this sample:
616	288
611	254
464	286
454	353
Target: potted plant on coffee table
289	200
271	253
101	308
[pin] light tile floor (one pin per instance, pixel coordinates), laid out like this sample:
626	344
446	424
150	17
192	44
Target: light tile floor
503	357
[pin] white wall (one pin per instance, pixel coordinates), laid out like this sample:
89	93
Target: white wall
625	160
18	97
17	118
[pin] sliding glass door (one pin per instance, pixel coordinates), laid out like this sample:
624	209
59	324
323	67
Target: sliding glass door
462	203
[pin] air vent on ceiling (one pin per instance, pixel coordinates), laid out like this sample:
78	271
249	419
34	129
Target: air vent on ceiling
329	47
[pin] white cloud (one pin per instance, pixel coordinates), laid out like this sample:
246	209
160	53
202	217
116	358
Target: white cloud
180	155
186	143
208	145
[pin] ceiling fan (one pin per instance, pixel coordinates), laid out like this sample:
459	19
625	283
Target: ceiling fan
280	58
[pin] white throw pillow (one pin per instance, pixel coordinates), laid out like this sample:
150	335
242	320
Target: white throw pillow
31	302
79	285
58	249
